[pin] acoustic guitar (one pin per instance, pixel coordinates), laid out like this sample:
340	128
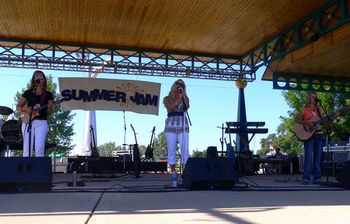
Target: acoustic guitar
25	112
304	132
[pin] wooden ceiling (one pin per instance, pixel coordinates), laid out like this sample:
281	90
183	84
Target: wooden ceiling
328	56
223	28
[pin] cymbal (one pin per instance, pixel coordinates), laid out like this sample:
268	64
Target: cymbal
5	110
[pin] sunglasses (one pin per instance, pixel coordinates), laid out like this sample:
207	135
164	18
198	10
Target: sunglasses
180	84
38	77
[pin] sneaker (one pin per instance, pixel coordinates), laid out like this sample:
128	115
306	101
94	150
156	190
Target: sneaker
173	180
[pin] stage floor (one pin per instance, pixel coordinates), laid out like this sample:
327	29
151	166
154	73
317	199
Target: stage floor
151	182
119	198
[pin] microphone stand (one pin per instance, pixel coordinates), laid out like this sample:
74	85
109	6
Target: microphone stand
327	139
29	129
185	112
124	168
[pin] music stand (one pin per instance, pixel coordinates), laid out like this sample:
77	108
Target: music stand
245	128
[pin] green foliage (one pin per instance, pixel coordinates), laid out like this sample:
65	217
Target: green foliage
266	143
160	147
107	149
60	123
201	154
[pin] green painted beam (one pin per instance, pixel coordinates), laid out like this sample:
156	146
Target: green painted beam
301	82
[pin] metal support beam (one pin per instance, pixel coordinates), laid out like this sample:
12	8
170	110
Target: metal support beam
42	55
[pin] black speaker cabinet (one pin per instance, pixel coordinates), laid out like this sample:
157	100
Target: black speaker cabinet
212	152
154	166
209	173
343	176
25	174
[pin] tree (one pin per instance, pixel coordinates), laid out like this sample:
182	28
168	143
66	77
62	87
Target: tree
265	143
107	149
160	147
61	128
198	153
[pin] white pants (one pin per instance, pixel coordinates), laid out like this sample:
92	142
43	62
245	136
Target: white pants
38	137
182	139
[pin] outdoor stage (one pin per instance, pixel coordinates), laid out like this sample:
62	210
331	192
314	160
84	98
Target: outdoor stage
119	198
23	174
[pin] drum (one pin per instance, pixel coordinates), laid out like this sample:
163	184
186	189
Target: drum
11	131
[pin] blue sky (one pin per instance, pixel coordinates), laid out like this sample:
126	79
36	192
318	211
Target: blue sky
212	103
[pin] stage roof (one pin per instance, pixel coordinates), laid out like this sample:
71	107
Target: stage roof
223	28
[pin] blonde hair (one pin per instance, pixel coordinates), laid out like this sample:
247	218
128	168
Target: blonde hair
172	89
308	99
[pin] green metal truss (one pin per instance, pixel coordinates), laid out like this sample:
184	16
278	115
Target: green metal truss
120	61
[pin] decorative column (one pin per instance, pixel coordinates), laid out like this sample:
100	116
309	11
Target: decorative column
242	141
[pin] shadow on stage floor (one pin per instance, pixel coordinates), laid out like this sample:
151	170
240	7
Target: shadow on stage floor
151	182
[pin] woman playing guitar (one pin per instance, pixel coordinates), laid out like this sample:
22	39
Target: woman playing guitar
37	102
307	119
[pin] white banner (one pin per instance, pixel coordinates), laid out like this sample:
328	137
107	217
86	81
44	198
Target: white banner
109	94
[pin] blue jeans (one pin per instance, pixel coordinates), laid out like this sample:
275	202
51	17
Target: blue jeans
313	157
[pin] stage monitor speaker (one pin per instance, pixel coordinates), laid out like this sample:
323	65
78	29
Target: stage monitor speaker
25	174
209	173
343	176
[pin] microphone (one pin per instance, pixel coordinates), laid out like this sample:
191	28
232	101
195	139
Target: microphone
37	81
180	90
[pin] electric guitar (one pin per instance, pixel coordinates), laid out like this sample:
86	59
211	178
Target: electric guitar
304	132
25	111
149	149
136	156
